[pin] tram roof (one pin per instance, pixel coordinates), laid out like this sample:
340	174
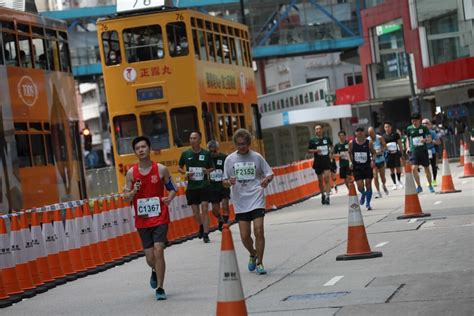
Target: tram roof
34	18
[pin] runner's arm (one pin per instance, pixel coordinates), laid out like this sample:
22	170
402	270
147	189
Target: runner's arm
168	182
130	190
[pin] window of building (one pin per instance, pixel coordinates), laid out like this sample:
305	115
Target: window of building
111	45
155	126
184	122
352	79
143	43
177	39
126	130
391	48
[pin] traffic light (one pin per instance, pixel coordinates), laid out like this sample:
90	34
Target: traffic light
87	136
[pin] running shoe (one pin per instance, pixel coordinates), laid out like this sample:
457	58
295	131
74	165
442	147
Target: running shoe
430	188
434	183
378	195
201	231
335	188
206	239
369	208
362	199
252	263
394	187
385	189
261	269
153	281
220	224
160	294
327	200
323	199
419	189
400	185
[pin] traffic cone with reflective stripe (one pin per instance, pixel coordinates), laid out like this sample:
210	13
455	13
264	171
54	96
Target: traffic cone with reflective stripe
123	213
112	234
447	185
51	249
30	254
64	255
5	300
40	251
230	295
84	228
100	227
20	258
118	229
468	169
461	154
94	242
73	244
357	244
7	266
412	203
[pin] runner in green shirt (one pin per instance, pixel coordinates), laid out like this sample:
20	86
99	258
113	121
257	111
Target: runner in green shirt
342	151
218	193
417	138
321	147
196	164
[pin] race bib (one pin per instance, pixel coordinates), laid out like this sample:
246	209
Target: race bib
245	170
417	141
360	157
392	147
216	175
323	150
430	153
197	173
344	155
149	207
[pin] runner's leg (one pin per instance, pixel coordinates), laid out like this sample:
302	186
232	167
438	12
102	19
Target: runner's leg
258	231
205	216
247	241
160	265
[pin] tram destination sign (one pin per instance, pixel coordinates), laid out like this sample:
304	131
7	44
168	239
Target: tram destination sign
148	94
133	5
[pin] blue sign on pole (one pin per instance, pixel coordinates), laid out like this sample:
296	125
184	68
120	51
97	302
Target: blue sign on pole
286	118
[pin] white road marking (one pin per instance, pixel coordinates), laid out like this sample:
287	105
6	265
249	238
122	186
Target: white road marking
381	244
437	202
464	182
334	280
412	220
429	224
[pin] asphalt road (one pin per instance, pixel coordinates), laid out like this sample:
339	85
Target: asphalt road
427	266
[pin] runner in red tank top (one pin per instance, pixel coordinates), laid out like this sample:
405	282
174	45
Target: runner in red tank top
145	183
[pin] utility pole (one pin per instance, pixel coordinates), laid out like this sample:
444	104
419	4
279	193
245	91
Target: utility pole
415	103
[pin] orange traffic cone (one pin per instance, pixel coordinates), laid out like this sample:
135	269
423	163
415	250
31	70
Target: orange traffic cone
100	228
5	300
412	203
461	154
40	250
63	252
52	251
7	266
357	244
73	244
20	258
447	185
468	169
230	296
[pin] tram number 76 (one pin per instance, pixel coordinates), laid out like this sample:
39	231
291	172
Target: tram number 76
146	3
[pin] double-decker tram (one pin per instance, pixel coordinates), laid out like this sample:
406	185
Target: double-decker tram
171	71
41	162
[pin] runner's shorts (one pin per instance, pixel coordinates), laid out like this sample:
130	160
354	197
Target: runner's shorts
217	195
333	166
344	172
150	235
363	173
420	158
196	196
250	216
321	165
393	160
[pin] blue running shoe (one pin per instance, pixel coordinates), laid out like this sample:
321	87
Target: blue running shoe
252	263
160	294
362	199
153	282
260	269
430	188
419	189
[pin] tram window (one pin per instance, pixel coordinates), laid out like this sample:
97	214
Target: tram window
264	107
51	33
287	103
238	50
291	101
184	122
156	127
49	149
39	53
220	125
233	50
321	94
37	149
211	48
228	127
110	43
143	43
219	108
9	42
311	96
226	50
235	123
196	45
301	99
64	56
202	45
35	127
37	30
316	96
234	107
296	100
53	54
23	150
25	52
226	108
242	121
125	131
177	40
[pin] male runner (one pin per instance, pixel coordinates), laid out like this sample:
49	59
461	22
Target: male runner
361	150
432	150
198	164
394	145
144	185
321	147
417	138
342	149
218	193
247	174
379	161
